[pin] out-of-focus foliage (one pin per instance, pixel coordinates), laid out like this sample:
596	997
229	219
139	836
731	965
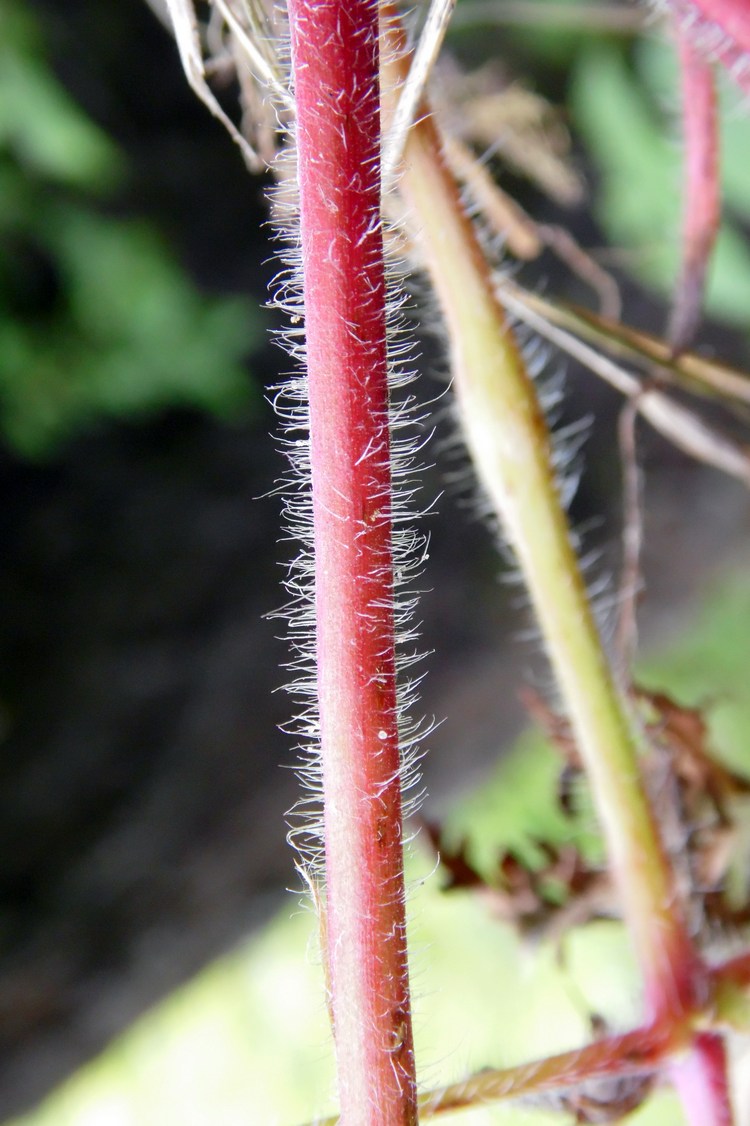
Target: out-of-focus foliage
96	316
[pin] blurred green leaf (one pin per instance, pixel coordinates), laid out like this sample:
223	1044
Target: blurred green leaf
40	124
127	334
549	32
97	318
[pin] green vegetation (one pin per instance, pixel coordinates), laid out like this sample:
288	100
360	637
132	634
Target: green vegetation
97	318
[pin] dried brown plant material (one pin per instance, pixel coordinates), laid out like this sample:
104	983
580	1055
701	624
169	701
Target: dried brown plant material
684	427
544	900
684	732
522	235
608	1101
695	798
242	37
522	128
503	214
454	862
556	727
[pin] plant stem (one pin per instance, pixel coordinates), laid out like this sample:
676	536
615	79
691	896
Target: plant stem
335	58
721	30
509	443
638	1053
700	1077
702	194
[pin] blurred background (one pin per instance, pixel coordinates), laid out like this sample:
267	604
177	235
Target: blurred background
144	778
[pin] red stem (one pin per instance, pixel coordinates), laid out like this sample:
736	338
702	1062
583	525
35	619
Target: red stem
700	1077
335	59
702	192
721	30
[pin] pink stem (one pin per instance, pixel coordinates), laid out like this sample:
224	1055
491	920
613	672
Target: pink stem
700	1077
720	29
335	59
702	192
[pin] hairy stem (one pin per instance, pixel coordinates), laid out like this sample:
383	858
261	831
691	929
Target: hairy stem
335	61
636	1054
720	29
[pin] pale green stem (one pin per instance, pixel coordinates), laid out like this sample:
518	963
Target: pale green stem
508	440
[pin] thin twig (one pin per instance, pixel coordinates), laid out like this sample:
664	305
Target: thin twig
264	65
682	426
423	60
637	1053
631	579
524	236
689	370
187	35
502	212
569	251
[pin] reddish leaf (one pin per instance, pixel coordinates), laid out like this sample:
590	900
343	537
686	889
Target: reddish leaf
706	809
528	897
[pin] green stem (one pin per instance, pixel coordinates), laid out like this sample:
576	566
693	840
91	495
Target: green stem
508	440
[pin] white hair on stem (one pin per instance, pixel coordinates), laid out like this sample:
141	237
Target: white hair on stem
252	34
409	431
